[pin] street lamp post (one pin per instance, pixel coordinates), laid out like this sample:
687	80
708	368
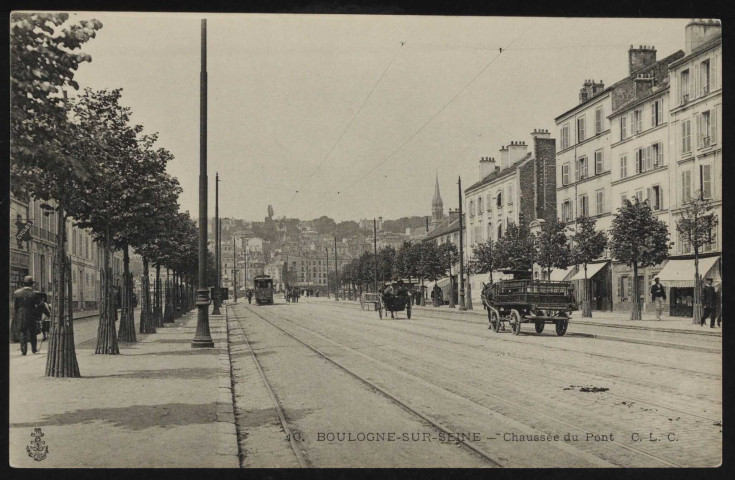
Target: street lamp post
217	300
234	269
375	253
336	273
202	338
461	250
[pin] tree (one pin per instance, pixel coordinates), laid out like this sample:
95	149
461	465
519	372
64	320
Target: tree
697	226
386	263
44	54
516	249
638	239
485	258
407	262
588	244
552	250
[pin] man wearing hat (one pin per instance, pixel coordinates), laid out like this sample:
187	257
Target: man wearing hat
658	297
26	306
709	303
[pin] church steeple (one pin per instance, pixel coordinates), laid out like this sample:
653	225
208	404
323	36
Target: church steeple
437	206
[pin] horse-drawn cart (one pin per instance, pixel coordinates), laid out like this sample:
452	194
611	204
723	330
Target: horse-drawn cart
370	301
529	301
394	303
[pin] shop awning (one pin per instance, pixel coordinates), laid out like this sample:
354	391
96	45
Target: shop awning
680	273
592	270
443	282
559	274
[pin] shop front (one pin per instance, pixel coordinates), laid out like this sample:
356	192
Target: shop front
600	285
678	276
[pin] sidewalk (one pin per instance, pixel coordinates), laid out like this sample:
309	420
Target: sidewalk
603	319
159	403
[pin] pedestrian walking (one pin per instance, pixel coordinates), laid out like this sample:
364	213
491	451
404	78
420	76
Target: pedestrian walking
249	294
26	307
709	303
436	295
658	297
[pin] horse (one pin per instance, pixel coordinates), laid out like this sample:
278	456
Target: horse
493	315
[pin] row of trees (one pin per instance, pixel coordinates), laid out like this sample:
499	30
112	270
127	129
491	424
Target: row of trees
85	156
637	238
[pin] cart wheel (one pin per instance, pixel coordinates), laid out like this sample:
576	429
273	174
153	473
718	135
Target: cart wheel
408	312
561	327
540	326
380	312
515	321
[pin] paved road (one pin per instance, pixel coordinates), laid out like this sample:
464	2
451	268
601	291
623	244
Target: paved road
589	399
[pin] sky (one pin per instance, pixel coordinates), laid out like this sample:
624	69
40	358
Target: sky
352	116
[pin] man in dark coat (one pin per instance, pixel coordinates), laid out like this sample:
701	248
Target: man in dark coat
709	303
26	311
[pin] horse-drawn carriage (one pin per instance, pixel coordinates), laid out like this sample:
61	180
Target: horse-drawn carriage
389	299
529	301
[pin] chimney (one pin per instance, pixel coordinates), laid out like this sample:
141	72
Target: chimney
640	57
644	82
487	166
699	31
516	151
540	133
504	158
589	89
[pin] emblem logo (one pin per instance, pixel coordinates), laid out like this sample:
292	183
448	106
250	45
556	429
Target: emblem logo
37	450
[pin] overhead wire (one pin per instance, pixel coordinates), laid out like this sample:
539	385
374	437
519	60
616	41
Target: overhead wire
349	124
421	128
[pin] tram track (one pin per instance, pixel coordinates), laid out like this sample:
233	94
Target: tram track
464	385
514	340
300	457
491	459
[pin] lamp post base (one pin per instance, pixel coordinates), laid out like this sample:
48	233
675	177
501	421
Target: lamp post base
202	338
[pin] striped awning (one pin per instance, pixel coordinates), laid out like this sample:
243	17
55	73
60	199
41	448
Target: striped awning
680	273
592	270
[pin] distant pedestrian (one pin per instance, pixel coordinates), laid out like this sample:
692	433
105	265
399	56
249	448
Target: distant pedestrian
249	294
709	303
436	295
26	308
658	297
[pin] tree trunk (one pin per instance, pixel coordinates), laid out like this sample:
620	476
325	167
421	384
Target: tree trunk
468	294
61	361
422	300
146	311
168	309
635	313
586	305
106	335
127	318
157	307
697	309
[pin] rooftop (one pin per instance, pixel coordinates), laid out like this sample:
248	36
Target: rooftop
499	174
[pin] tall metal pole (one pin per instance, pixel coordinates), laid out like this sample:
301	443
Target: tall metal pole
375	252
234	268
202	338
336	273
461	250
245	249
217	300
326	250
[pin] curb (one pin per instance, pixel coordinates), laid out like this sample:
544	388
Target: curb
227	444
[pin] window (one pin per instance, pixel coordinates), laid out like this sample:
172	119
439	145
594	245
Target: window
500	230
686	136
623	166
637	121
657	152
639	160
623	127
648	156
624	288
565	136
598	162
639	194
657	113
566	211
600	201
472	208
703	139
684	87
686	186
654	197
598	120
582	169
623	199
704	77
580	129
510	194
583	210
499	199
479	205
565	174
705	181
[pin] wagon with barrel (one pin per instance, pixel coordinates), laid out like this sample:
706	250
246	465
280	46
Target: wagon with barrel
529	301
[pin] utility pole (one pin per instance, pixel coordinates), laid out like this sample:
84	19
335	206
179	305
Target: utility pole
217	250
375	252
336	273
202	337
245	249
234	269
461	250
326	250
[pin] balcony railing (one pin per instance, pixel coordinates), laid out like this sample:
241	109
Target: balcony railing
705	89
705	142
684	99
